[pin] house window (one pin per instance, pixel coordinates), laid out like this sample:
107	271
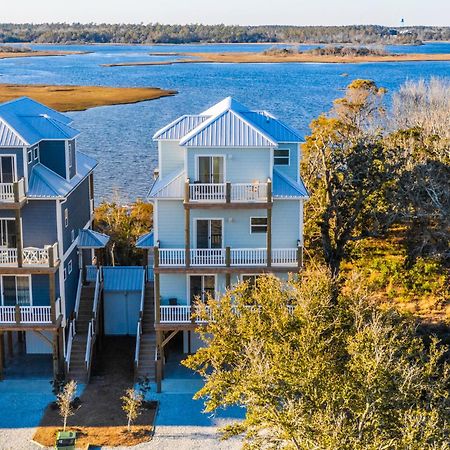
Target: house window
66	217
70	154
8	237
30	156
281	157
69	267
65	274
258	225
72	235
36	153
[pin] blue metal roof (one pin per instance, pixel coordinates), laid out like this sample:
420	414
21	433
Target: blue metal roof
44	183
285	187
123	278
92	239
229	124
32	122
146	241
179	128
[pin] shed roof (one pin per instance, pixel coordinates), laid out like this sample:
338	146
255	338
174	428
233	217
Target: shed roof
32	122
92	239
123	278
44	183
146	241
285	187
171	186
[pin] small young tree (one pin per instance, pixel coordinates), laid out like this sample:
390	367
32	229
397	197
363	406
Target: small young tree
131	405
64	401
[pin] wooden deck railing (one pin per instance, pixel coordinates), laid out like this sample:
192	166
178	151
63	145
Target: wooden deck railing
26	314
47	256
12	192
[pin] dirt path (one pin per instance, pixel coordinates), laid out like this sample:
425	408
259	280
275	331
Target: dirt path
100	419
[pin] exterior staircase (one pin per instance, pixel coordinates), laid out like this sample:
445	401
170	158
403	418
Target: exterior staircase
77	368
146	361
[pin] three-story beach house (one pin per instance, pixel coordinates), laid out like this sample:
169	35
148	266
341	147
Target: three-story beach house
228	206
46	200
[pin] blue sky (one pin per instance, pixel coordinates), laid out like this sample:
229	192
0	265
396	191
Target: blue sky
253	12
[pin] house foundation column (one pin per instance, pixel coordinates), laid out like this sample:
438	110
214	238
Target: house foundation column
2	355
55	354
10	344
19	241
159	361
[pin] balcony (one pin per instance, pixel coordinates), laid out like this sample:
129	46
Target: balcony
12	194
228	257
31	256
29	315
222	194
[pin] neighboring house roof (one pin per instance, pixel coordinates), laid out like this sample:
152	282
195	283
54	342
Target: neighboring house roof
92	239
31	122
229	124
44	183
146	241
123	278
171	186
285	187
179	127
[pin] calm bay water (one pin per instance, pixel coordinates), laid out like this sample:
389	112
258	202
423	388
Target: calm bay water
119	137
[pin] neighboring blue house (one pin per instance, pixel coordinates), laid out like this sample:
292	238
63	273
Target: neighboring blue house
46	198
228	206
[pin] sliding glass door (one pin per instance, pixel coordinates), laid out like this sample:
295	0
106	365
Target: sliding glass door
209	233
211	169
200	287
16	290
8	237
7	169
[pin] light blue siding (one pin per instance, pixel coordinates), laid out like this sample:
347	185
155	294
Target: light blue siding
53	155
170	223
39	223
172	158
241	165
285	223
292	170
173	286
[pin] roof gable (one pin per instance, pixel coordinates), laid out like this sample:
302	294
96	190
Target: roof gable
177	129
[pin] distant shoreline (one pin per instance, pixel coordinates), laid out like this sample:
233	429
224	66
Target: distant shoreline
257	58
36	53
66	98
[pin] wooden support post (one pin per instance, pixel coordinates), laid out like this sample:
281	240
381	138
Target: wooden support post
61	350
158	361
269	237
228	192
157	298
2	355
52	293
186	191
17	311
55	355
16	192
19	241
10	344
300	257
187	235
51	256
145	258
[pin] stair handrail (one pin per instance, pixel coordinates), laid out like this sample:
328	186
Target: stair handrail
79	289
141	309
96	294
138	344
69	344
89	345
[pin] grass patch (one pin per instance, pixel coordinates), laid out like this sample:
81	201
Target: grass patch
79	98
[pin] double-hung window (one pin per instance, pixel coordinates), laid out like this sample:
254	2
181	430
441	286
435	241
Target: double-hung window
281	157
258	225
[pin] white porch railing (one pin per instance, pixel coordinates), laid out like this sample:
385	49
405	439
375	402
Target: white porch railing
12	192
91	273
34	256
216	257
96	295
207	256
89	344
28	314
249	192
8	256
138	344
207	192
78	297
70	337
248	256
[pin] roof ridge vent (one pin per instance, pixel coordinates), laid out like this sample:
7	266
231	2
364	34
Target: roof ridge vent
45	116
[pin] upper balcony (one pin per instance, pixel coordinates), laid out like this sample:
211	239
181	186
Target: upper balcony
30	257
12	195
234	195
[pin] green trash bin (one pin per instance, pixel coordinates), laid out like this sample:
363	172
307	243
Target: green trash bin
65	440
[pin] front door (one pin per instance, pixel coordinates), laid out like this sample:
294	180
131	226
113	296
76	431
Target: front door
209	233
211	169
16	291
7	169
200	287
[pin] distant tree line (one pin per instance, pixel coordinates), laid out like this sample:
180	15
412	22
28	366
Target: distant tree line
155	33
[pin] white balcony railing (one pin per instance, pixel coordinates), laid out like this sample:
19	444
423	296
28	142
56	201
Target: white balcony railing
12	192
28	314
238	192
206	257
31	256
